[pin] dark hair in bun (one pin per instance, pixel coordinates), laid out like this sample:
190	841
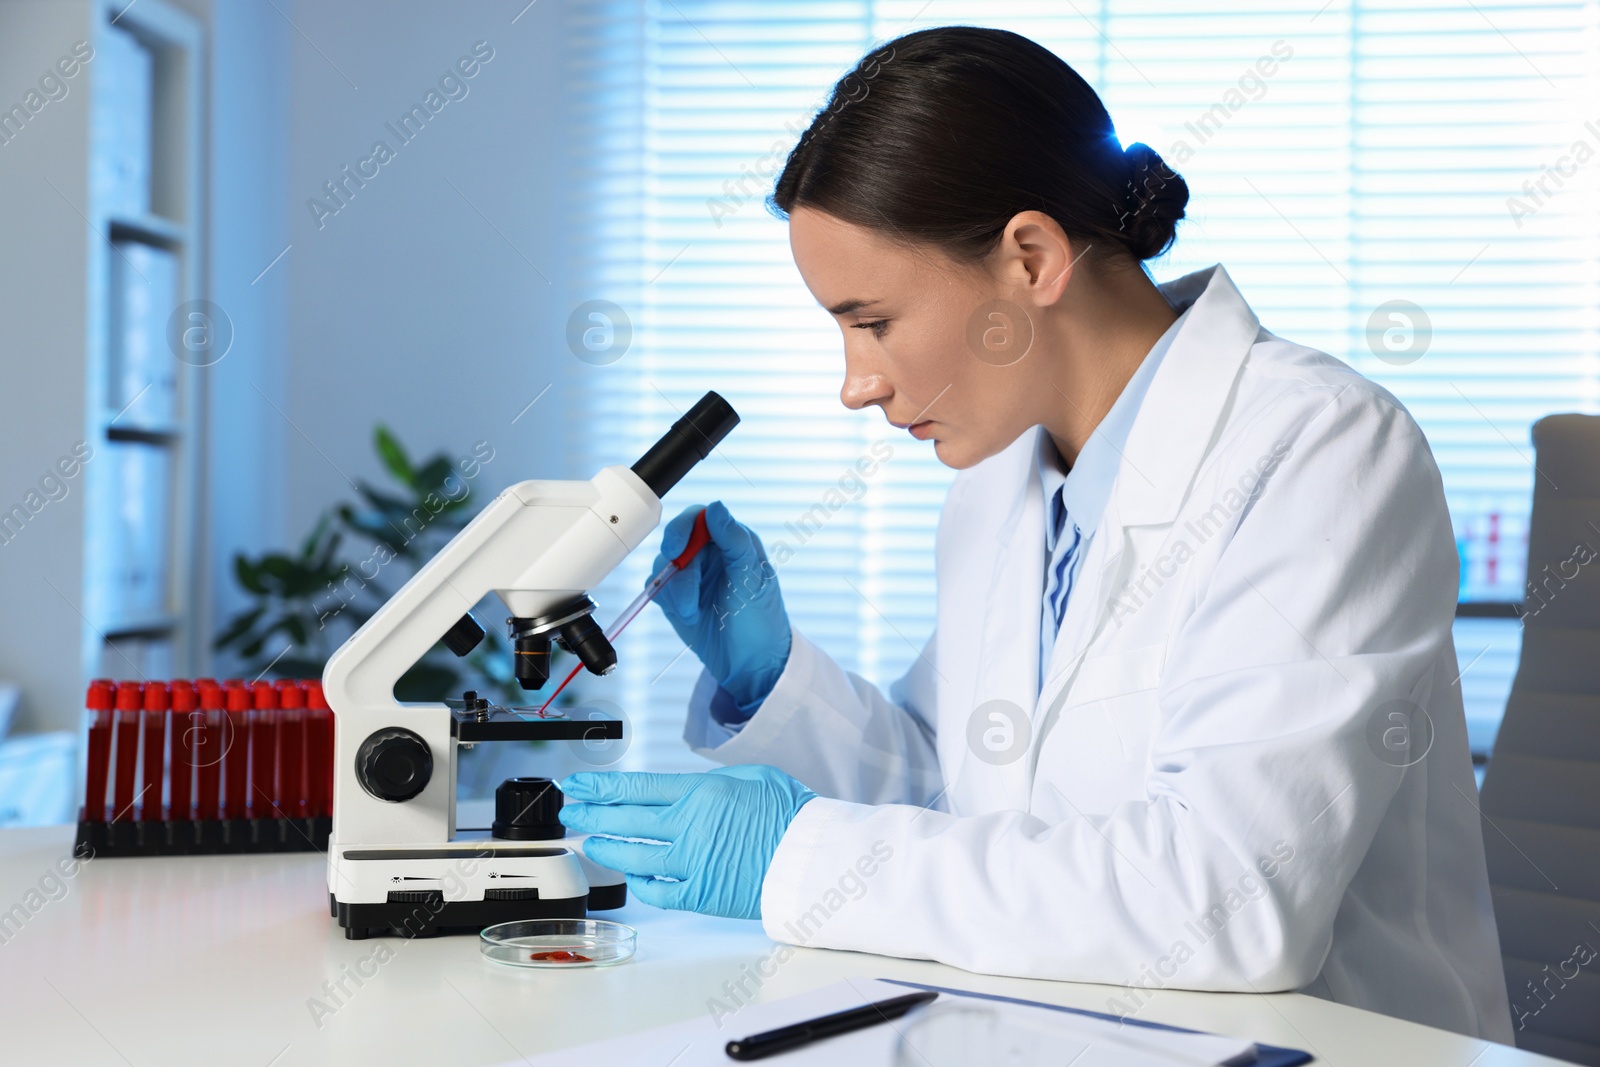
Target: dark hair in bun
1154	203
944	135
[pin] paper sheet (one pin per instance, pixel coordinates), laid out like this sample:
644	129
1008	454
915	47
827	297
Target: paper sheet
1079	1040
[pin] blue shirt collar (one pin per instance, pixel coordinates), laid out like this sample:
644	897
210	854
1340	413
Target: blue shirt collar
1085	489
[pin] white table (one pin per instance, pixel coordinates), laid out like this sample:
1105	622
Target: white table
213	959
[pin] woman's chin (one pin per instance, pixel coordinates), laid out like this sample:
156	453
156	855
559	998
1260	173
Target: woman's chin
952	454
958	451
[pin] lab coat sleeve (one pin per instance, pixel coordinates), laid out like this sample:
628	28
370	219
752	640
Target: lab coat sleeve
1329	595
830	728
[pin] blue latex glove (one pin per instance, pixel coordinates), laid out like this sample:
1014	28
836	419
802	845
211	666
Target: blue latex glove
726	605
719	832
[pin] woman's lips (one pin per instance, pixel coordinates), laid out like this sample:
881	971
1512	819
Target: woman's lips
919	430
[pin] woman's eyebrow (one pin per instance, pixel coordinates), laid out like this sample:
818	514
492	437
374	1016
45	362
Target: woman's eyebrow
849	306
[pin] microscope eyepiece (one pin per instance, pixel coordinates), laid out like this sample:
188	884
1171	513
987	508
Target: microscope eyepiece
690	440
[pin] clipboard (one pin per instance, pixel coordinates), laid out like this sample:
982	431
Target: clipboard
1266	1055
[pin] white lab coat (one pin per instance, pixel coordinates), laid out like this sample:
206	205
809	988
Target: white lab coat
1203	804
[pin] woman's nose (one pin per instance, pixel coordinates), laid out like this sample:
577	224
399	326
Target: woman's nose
861	390
862	385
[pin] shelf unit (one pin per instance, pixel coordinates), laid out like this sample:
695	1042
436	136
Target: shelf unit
145	270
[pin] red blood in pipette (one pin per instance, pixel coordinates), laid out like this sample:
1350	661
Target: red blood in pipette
573	674
698	536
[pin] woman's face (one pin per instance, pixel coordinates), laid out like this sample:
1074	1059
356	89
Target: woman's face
939	346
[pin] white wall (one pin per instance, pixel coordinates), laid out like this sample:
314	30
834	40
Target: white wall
409	306
43	336
249	212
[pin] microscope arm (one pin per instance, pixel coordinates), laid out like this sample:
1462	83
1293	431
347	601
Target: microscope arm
539	545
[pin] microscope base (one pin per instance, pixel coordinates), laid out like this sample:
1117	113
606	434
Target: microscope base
431	917
434	916
553	880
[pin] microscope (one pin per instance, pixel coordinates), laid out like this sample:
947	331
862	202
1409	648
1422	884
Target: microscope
395	860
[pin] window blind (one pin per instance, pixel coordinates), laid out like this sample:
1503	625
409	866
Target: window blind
1351	163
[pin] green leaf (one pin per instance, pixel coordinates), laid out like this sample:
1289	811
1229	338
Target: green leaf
383	501
249	575
393	455
304	582
308	547
292	589
282	568
431	476
374	526
324	561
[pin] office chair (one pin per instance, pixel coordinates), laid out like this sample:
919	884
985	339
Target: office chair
1541	791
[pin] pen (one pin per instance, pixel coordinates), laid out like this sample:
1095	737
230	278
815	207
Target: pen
759	1046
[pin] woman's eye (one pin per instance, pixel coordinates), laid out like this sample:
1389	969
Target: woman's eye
877	326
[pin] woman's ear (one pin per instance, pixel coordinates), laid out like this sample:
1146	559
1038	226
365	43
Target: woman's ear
1037	257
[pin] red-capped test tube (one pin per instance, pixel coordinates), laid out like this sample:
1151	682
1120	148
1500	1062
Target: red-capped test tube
292	750
130	699
188	728
263	750
236	763
208	750
157	706
100	701
319	751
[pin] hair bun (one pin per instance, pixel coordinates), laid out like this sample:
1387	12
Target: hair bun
1153	202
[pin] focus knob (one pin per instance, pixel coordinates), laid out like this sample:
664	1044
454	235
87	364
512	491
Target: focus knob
394	764
527	809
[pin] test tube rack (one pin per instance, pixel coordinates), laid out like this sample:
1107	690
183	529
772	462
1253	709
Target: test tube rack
200	767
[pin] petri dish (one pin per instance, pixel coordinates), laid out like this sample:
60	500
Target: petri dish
556	944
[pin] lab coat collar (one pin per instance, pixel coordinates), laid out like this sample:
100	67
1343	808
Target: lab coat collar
1183	401
1186	397
1171	429
1169	435
1086	488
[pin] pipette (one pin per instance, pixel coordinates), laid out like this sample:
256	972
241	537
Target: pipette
698	536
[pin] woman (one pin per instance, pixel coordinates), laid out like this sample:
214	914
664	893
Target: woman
1188	717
